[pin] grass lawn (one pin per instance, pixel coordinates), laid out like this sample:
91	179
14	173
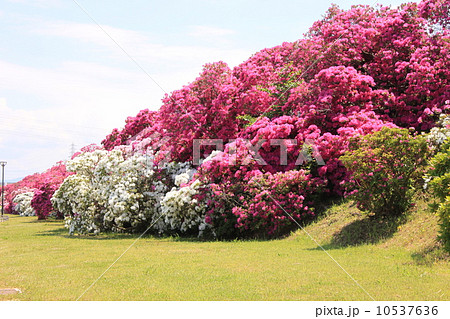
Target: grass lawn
391	261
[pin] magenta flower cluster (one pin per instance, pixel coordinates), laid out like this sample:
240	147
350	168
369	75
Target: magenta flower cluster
43	185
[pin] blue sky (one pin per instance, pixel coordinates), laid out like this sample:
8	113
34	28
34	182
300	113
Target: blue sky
64	81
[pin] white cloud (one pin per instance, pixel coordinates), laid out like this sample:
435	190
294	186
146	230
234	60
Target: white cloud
212	36
202	31
78	92
28	142
90	32
38	3
144	48
2	110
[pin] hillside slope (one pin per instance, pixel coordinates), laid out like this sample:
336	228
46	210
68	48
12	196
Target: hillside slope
343	225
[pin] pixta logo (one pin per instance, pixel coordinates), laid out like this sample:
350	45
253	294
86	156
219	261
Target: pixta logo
308	153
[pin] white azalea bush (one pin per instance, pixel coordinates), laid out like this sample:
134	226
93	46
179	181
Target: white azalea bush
440	132
184	207
112	191
182	210
132	198
76	200
22	204
79	196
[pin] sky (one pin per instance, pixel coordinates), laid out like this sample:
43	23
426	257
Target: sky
72	70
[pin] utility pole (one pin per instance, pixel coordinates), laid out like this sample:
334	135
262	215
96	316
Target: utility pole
72	150
3	163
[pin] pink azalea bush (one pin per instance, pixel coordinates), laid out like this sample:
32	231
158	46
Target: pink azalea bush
133	126
272	203
395	49
42	186
247	198
437	11
29	183
51	180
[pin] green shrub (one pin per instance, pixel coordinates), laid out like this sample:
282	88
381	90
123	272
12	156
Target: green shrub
385	169
439	176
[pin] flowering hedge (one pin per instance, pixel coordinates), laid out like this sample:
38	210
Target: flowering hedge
244	201
182	209
42	186
440	133
439	176
285	117
111	191
103	193
272	203
28	184
50	181
437	11
385	167
22	204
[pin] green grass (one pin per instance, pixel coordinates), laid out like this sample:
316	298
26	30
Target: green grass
391	260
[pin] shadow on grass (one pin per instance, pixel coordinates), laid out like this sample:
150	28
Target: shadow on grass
369	230
430	255
54	232
63	232
325	203
45	221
